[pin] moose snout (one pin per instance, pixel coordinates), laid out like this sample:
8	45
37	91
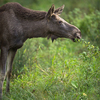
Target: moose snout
78	35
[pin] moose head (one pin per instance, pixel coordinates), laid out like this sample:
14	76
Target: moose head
58	27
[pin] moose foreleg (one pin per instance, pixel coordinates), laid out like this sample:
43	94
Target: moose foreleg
10	58
3	59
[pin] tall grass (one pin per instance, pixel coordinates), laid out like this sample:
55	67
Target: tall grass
57	71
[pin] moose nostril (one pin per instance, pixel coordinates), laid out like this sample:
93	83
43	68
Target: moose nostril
78	37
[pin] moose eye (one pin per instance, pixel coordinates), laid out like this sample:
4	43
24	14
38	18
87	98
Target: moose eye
60	22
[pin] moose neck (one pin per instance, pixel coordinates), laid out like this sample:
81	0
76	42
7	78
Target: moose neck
34	29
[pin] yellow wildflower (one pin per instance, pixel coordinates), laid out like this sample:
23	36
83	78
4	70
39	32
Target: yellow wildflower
84	94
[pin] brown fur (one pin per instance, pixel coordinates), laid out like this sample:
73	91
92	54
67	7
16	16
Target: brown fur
18	23
23	12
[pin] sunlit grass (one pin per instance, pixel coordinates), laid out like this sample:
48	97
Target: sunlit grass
57	71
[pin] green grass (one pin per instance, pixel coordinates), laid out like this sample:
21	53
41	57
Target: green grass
58	71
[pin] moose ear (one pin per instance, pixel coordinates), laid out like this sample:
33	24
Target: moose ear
59	10
50	12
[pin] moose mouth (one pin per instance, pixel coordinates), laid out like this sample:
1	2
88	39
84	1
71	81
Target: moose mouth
77	37
74	39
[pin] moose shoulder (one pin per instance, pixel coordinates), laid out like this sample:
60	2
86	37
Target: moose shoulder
18	23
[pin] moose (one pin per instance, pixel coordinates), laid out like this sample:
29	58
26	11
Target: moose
18	23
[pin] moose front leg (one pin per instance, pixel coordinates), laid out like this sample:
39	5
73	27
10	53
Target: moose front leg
3	59
10	58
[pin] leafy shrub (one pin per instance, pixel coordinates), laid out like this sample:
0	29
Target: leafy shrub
90	27
89	24
58	71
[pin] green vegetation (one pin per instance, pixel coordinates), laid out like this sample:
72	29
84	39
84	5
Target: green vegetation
63	70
